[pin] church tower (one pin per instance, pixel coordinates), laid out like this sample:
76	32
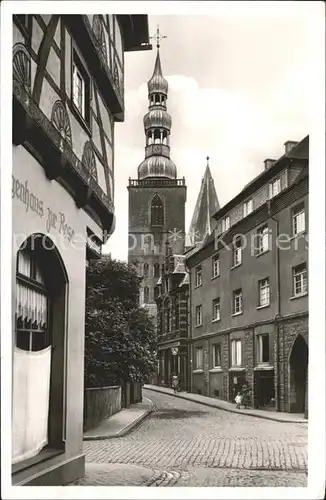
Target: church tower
157	197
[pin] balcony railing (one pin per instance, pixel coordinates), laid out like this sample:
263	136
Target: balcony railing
157	182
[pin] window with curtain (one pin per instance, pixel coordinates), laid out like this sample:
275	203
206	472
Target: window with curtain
32	304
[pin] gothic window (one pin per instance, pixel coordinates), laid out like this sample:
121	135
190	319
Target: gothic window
22	66
157	211
60	120
89	161
99	34
157	136
145	272
146	295
156	270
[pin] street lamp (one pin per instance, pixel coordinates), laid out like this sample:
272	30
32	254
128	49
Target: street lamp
174	351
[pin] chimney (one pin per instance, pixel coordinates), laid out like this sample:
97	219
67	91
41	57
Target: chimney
289	145
268	163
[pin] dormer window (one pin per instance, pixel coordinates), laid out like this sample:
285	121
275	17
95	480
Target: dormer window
274	188
225	224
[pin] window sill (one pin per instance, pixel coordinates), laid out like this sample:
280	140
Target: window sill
234	267
236	369
198	326
198	286
217	369
214	277
216	320
262	253
299	296
200	370
44	455
79	118
237	314
262	367
263	307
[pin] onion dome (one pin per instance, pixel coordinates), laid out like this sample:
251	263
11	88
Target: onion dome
157	166
158	84
157	118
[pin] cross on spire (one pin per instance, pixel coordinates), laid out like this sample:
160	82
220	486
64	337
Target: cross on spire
207	158
158	37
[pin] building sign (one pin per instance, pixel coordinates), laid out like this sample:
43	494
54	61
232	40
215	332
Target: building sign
94	244
53	220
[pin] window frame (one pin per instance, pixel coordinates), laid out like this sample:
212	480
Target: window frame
237	294
199	366
216	306
259	250
79	67
157	211
215	259
296	271
199	310
298	210
272	184
225	224
198	273
260	349
218	345
260	288
247	212
235	350
237	254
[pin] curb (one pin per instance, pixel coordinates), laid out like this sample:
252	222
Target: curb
125	430
231	410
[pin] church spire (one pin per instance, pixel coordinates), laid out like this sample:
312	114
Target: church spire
157	126
202	222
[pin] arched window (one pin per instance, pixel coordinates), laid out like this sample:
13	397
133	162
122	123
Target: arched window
156	270
157	211
157	136
145	272
38	370
149	138
146	295
165	136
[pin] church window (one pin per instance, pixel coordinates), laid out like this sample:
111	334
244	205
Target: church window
156	270
157	211
145	270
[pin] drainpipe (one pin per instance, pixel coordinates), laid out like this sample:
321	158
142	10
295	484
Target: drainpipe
278	308
189	336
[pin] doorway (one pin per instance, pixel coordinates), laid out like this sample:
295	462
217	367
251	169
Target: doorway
298	366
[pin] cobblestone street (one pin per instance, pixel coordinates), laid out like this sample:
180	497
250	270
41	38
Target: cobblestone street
184	443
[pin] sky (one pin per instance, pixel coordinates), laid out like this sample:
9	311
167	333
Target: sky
240	86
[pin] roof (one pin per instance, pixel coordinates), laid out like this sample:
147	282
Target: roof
300	151
202	222
135	32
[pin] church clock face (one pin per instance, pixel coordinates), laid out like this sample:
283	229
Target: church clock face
157	149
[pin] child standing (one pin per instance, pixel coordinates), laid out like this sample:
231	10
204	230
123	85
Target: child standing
238	400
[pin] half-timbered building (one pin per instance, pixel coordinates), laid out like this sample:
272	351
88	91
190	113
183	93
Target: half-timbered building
68	92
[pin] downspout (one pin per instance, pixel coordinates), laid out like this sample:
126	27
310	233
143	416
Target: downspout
278	308
189	336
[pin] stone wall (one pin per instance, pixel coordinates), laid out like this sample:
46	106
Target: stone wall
100	403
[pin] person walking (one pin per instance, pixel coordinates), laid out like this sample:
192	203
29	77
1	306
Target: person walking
175	382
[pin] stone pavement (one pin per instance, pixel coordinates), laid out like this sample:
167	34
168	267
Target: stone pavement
120	423
292	418
184	443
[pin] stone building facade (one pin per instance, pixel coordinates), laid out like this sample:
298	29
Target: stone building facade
249	291
68	92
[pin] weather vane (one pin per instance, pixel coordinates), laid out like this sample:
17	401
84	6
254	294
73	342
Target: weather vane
158	37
